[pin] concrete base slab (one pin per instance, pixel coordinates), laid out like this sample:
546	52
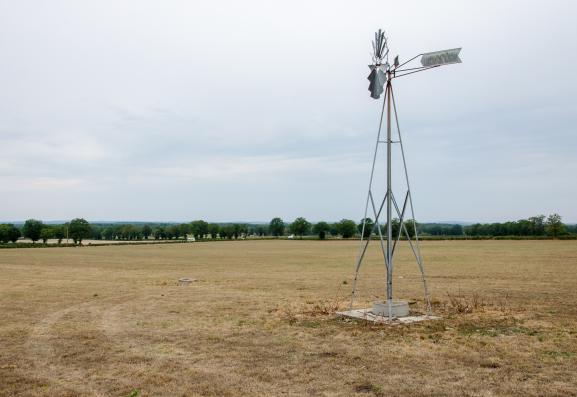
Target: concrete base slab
397	308
368	315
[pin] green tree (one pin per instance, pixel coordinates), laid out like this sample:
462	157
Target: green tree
321	229
146	231
46	233
32	229
108	233
184	230
239	230
160	233
410	226
59	233
213	230
456	230
571	228
300	227
78	230
13	233
5	233
276	227
259	230
173	231
554	225
129	232
97	232
395	225
334	229
368	227
199	229
346	228
227	231
537	225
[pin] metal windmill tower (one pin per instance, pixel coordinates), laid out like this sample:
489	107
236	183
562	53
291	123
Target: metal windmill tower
381	78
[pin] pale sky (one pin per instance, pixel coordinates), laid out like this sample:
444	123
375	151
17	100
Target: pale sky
243	111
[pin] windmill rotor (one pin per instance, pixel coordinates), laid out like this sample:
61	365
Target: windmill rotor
378	75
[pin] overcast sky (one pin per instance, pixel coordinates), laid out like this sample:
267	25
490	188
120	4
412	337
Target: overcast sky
247	110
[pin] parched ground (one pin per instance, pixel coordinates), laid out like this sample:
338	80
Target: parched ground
112	321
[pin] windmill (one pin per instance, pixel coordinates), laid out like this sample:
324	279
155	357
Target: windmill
381	76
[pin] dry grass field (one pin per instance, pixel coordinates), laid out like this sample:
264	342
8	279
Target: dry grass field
112	321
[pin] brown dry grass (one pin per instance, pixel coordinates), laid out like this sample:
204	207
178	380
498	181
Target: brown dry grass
108	321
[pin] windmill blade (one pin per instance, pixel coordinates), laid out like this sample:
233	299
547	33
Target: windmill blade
379	46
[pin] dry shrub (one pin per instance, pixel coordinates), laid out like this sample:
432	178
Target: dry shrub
301	313
461	303
325	307
288	313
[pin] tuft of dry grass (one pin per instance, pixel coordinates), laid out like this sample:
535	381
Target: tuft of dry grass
461	303
113	321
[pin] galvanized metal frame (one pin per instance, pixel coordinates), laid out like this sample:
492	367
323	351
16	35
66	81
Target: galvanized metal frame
389	243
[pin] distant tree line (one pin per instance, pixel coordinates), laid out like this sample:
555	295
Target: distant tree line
345	228
534	226
197	230
440	229
79	229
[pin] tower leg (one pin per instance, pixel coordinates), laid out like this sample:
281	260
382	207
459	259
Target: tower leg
417	248
369	197
389	205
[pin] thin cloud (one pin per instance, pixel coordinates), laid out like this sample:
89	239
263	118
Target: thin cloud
144	109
